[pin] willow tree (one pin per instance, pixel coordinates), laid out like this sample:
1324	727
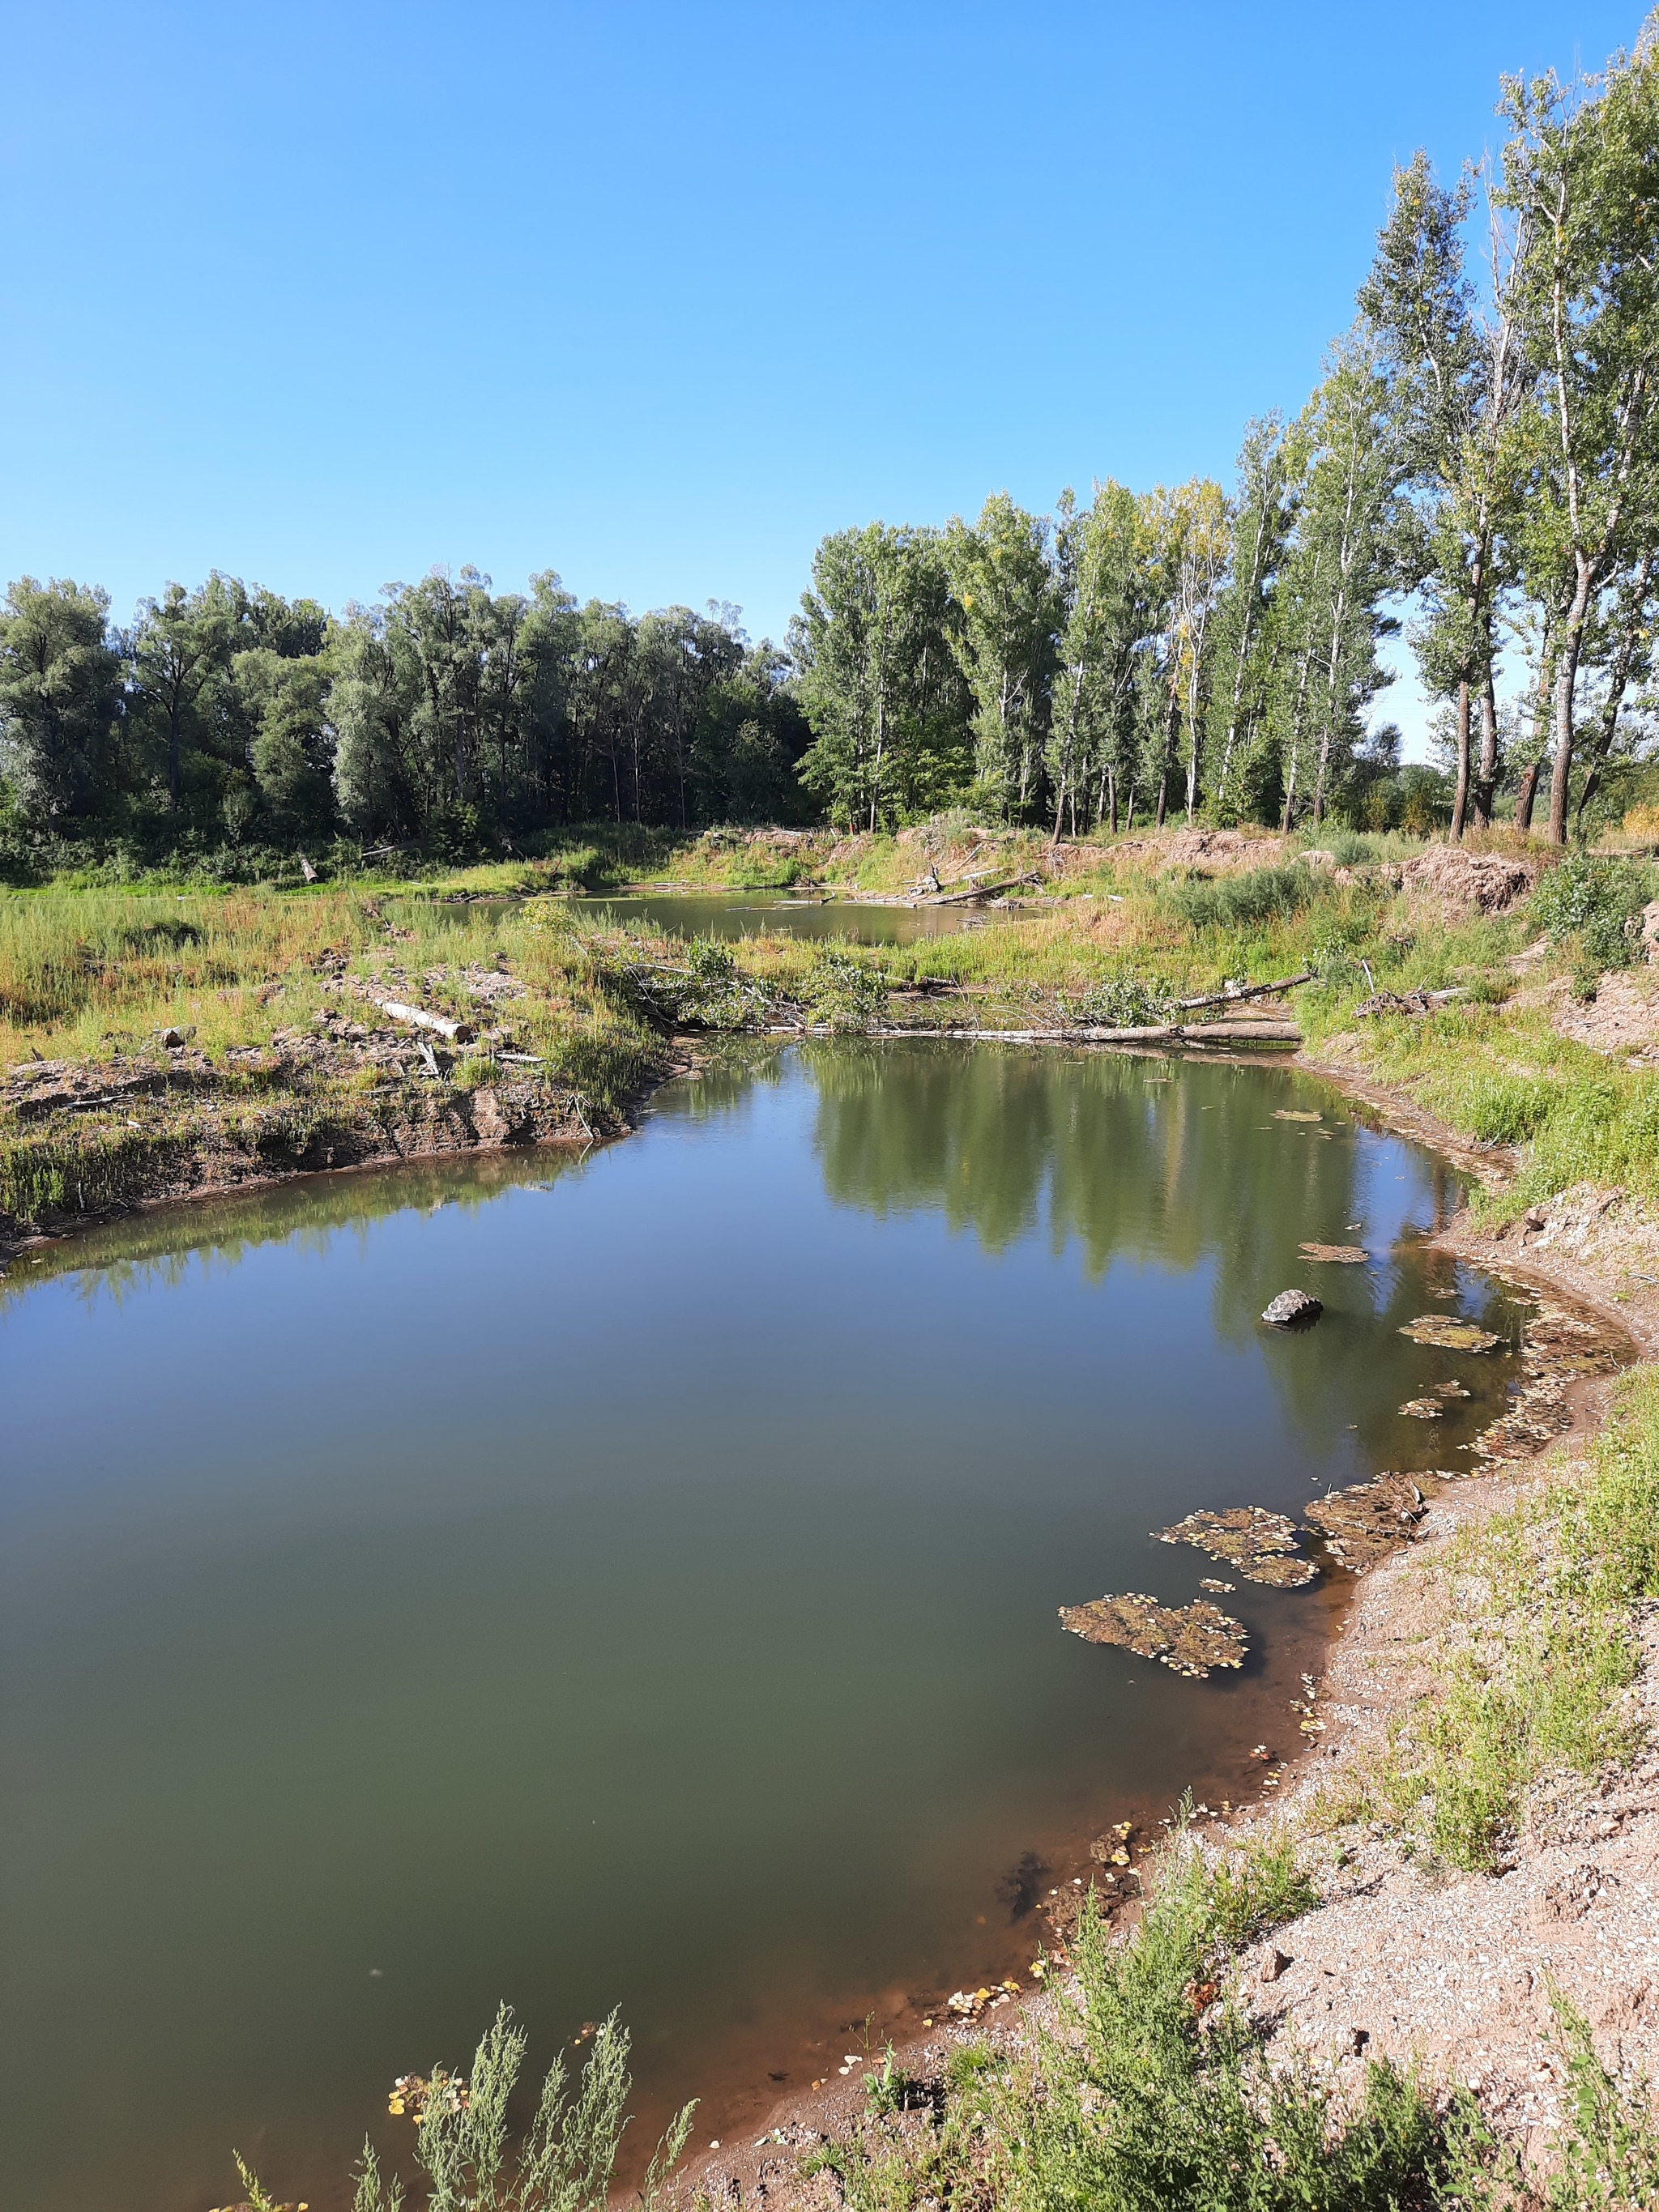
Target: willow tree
59	694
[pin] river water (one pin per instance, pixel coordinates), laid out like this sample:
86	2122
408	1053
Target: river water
632	1579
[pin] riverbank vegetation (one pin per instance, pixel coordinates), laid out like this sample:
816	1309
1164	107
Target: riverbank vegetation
1479	464
160	1043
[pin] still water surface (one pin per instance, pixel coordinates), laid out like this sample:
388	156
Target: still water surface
634	1580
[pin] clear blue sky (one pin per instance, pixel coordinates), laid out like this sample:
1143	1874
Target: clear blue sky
656	295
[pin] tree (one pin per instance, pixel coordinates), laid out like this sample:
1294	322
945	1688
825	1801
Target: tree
1581	175
1262	517
58	695
1346	564
876	677
179	645
1104	618
1005	587
1457	381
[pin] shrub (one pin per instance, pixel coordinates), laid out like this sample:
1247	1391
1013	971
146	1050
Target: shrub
1597	901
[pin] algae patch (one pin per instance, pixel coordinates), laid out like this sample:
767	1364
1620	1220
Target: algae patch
1258	1544
1189	1638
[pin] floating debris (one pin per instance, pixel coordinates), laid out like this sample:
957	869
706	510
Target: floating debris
1558	1349
1449	1334
1290	1113
415	2095
1188	1638
1348	1255
1292	1310
1448	1390
1260	1546
1222	1590
1363	1524
1425	1409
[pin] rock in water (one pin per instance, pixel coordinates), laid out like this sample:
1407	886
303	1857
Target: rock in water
1292	1310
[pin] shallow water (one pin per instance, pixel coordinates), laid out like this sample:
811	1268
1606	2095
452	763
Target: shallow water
634	1579
751	913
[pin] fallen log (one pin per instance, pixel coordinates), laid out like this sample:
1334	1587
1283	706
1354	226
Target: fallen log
441	1024
1151	1033
982	891
1254	991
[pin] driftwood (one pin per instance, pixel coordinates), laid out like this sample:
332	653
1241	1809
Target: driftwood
1254	991
983	890
1154	1033
456	1032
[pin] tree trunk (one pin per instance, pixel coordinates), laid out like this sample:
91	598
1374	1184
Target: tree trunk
1525	796
1460	802
1486	782
1617	682
1566	683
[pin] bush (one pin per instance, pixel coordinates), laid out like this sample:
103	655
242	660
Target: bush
1596	901
1238	901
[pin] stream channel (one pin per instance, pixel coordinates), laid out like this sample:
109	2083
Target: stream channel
632	1579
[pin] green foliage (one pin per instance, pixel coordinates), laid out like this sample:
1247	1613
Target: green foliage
1152	2095
1120	1002
1247	900
848	993
1598	903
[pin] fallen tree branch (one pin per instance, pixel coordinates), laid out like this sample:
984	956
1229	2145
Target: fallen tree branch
1254	991
982	890
442	1024
1151	1033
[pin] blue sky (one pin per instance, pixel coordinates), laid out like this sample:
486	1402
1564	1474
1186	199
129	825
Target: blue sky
655	296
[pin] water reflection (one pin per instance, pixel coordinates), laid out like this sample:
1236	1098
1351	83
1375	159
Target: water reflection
632	1577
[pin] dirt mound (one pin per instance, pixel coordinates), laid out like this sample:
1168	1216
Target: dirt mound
1217	851
1622	1017
1475	883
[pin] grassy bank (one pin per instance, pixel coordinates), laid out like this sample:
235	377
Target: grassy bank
1107	933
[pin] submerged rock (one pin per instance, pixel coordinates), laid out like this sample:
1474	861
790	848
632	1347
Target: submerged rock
1292	1310
1363	1524
1259	1545
1351	1256
1188	1638
1449	1333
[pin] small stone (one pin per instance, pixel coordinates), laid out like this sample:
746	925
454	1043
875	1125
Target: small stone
172	1039
1292	1310
1273	1965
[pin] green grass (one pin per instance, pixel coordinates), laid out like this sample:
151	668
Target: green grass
1540	1640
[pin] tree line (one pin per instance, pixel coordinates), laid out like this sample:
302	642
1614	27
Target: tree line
447	712
1483	448
1479	460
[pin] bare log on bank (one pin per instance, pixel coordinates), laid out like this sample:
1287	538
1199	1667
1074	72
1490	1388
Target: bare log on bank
441	1024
